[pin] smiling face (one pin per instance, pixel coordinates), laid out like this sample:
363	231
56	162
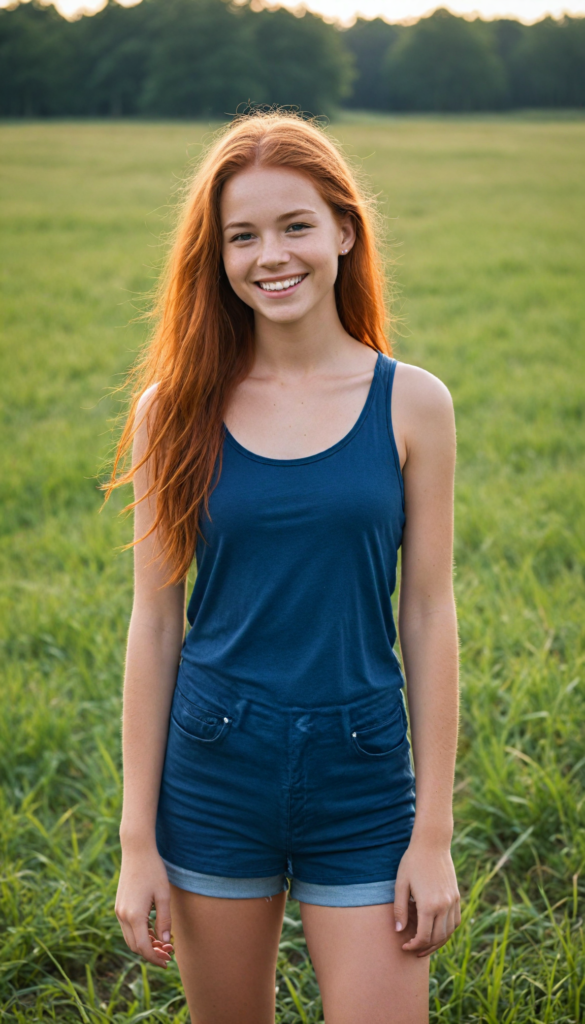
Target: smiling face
281	242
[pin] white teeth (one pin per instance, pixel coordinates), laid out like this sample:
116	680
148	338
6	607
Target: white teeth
279	286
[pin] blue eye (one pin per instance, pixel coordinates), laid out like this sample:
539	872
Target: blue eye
298	227
244	237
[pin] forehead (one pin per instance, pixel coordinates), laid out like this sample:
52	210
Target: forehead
264	193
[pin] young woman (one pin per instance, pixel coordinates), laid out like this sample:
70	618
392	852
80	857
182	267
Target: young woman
276	440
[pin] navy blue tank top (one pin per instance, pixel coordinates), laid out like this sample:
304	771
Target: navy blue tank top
292	601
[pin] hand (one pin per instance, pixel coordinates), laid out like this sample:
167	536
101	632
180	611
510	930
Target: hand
426	873
143	881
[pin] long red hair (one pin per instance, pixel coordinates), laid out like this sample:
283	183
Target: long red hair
203	343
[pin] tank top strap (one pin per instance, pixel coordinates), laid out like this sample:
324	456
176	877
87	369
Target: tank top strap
388	370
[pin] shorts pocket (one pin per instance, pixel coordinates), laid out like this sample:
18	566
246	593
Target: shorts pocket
382	738
207	725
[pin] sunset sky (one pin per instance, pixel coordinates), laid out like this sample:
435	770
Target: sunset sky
393	10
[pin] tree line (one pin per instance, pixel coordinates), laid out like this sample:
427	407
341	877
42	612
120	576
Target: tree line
205	58
446	63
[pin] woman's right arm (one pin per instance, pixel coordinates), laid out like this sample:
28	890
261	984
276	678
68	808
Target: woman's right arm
155	639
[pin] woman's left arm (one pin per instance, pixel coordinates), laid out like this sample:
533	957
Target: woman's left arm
427	626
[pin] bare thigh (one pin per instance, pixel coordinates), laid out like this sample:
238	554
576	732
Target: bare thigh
363	974
226	951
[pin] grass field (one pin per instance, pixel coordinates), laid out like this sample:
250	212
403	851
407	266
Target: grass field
487	219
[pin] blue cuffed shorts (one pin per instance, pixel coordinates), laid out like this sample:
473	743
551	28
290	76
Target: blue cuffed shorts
364	895
253	794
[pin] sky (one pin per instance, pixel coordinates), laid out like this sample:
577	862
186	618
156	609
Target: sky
392	10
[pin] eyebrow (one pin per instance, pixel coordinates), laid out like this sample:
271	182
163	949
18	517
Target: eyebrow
284	216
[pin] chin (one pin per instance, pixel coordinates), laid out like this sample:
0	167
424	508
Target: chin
283	316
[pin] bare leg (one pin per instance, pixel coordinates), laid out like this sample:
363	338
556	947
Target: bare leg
364	975
226	952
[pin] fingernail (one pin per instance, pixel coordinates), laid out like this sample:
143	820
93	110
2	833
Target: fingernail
166	936
398	926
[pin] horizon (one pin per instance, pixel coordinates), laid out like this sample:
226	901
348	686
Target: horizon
345	12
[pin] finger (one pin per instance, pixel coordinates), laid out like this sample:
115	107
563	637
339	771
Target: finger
154	938
427	952
440	934
401	896
162	902
128	936
161	957
451	926
164	953
424	930
161	945
157	944
144	944
457	913
449	921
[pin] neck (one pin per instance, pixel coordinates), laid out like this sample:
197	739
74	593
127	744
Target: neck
309	345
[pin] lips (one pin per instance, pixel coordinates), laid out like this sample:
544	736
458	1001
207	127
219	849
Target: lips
281	286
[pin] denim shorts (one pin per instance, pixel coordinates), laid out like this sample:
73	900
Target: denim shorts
257	798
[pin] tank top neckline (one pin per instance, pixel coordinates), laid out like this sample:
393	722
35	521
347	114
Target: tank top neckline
327	452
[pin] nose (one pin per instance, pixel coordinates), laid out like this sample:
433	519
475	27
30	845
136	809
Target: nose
273	253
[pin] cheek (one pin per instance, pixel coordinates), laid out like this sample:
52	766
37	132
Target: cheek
236	267
325	264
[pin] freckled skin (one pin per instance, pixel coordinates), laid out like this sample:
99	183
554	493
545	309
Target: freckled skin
273	246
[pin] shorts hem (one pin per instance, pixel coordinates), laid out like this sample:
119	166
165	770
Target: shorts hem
356	894
360	894
223	886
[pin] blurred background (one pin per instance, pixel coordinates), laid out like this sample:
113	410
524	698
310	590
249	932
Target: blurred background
201	58
471	131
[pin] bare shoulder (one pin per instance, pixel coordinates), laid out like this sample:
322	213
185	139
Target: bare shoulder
144	409
146	401
422	391
422	409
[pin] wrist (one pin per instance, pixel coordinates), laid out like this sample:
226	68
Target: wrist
137	838
432	833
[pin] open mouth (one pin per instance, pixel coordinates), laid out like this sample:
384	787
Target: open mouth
284	287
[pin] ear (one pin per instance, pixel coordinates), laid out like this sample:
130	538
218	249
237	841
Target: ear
346	233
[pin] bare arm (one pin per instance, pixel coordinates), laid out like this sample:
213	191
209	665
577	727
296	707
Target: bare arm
155	638
429	643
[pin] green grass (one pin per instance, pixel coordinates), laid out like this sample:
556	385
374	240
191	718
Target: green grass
486	217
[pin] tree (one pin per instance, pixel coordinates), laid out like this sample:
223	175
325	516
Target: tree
201	61
301	60
116	43
444	63
548	65
369	42
39	63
